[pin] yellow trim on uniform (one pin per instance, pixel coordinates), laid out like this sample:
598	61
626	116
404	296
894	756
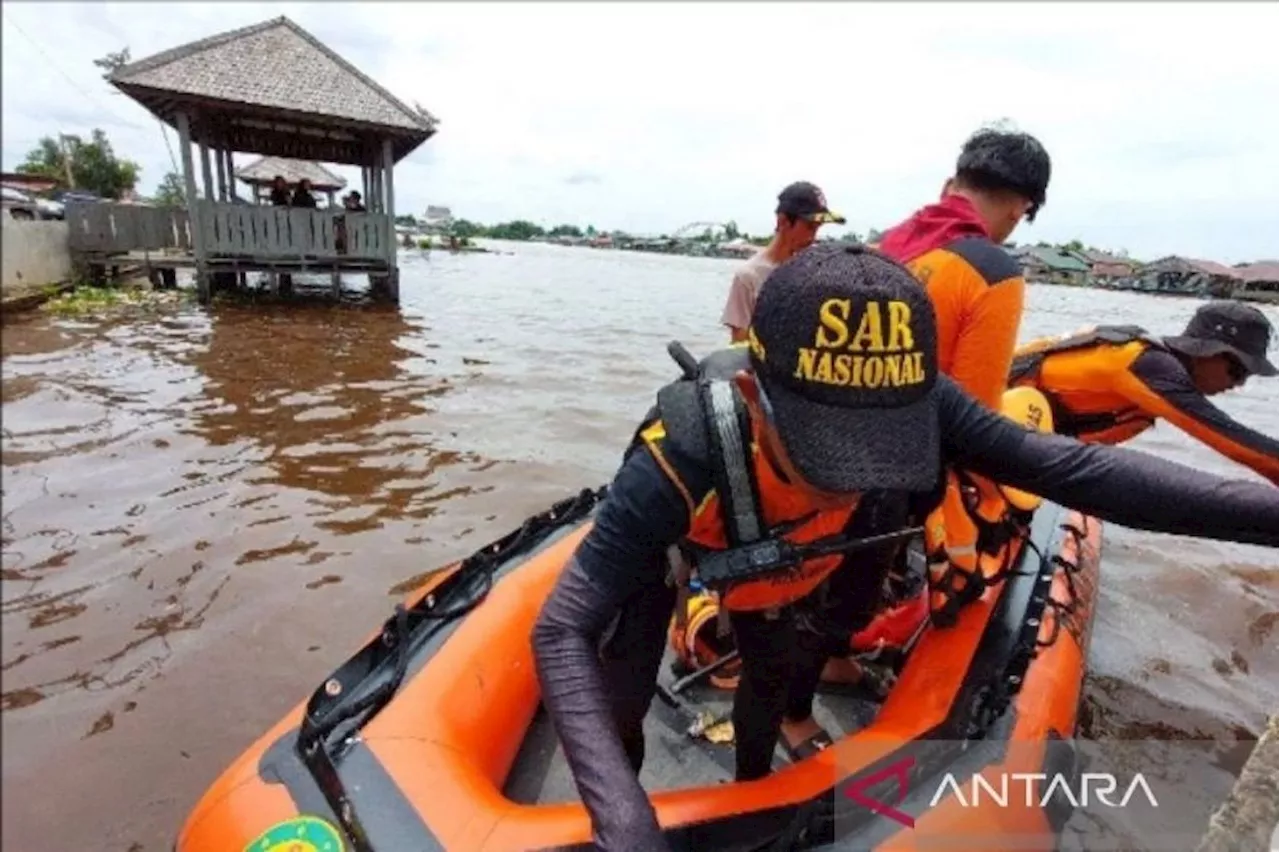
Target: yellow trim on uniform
651	435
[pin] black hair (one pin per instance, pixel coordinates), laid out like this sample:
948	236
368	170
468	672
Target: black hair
994	160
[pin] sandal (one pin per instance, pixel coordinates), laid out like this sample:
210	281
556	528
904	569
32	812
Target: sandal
873	685
808	747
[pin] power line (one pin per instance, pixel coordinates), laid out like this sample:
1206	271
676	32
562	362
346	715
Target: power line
173	160
94	99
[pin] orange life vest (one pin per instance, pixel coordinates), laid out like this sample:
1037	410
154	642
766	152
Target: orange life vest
785	513
752	514
1103	415
976	517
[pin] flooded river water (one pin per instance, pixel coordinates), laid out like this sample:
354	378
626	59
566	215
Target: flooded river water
206	510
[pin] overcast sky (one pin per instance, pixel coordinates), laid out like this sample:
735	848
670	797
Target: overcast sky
1163	120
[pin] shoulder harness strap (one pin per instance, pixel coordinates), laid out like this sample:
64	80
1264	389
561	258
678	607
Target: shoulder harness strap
728	433
1027	366
729	436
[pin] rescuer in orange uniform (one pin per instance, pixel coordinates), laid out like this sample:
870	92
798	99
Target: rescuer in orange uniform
761	467
954	248
1108	384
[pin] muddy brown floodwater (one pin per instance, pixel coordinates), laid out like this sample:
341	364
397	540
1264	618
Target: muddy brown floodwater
206	510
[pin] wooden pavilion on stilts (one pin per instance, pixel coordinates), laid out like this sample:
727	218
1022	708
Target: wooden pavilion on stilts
270	89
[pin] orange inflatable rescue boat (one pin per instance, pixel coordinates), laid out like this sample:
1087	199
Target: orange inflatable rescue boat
431	736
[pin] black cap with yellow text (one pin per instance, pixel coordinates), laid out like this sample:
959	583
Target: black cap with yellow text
844	343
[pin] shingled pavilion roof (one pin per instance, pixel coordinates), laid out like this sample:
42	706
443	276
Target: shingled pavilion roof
264	170
274	89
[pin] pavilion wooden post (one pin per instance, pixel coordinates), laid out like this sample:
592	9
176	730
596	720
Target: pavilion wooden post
220	161
232	193
393	271
242	277
216	280
205	169
193	208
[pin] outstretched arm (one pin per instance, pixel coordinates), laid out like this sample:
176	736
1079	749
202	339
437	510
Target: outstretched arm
1158	384
1123	486
643	513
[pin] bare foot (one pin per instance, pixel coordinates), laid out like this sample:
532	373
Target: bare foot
842	670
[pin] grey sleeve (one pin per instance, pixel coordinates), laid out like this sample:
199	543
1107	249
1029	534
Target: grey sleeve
623	553
1126	487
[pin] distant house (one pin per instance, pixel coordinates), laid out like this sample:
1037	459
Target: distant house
736	248
1259	282
28	183
1052	265
438	219
1186	275
1105	268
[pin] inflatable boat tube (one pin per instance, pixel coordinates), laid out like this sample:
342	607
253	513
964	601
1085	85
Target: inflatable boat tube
431	737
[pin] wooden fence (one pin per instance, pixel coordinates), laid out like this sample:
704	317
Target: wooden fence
241	231
103	228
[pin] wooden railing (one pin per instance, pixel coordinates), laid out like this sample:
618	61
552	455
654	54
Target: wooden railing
117	228
248	231
242	231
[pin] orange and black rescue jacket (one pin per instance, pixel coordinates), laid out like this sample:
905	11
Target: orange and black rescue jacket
730	517
730	514
1107	384
976	288
977	291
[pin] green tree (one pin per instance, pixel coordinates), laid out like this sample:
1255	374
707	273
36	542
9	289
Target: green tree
1074	245
465	229
93	164
591	230
731	231
171	192
405	219
520	229
565	231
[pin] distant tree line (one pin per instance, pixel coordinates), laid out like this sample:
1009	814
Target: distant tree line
523	230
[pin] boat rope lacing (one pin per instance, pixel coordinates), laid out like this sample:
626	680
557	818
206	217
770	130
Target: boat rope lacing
338	701
993	700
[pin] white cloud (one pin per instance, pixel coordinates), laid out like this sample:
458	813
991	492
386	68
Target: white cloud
1161	119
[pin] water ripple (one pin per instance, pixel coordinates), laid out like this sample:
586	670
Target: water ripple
204	510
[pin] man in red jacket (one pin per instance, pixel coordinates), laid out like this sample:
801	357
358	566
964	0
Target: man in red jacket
954	249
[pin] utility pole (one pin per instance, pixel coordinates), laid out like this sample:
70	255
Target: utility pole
66	159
